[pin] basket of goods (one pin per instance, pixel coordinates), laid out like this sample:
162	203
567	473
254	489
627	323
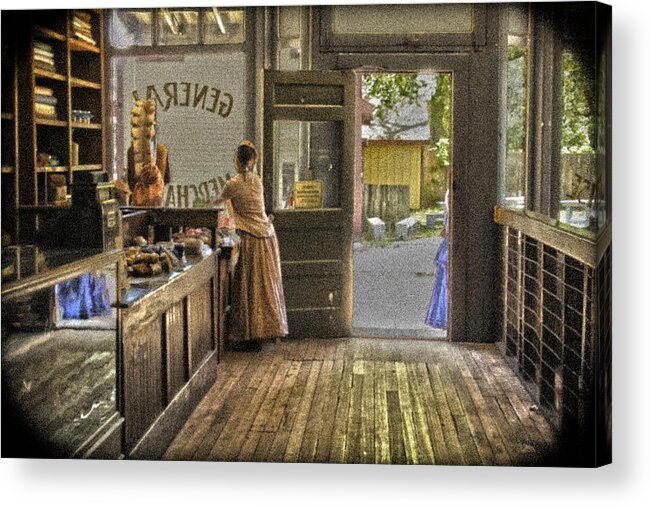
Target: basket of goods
152	260
193	239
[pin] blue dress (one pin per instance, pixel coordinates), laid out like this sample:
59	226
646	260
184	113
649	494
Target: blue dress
437	316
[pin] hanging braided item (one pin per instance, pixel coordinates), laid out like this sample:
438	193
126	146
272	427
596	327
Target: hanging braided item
148	190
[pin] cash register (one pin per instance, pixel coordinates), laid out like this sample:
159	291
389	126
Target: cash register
93	219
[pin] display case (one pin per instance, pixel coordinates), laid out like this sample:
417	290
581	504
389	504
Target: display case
60	396
99	364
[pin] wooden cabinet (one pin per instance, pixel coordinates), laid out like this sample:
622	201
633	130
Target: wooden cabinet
172	330
170	348
58	117
120	384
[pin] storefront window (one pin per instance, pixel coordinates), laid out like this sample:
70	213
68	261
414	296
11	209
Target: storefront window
308	155
178	27
221	26
200	116
582	203
516	103
131	28
602	147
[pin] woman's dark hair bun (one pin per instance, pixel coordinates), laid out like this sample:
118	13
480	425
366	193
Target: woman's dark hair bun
244	154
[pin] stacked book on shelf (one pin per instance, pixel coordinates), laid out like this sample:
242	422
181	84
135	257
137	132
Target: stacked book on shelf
45	102
81	27
44	56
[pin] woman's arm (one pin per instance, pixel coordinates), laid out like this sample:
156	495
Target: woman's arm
224	195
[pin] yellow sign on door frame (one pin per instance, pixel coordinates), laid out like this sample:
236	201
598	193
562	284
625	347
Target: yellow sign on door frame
308	195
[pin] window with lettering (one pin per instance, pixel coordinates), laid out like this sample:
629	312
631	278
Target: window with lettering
200	117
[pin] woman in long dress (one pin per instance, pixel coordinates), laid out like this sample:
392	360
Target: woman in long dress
437	315
258	301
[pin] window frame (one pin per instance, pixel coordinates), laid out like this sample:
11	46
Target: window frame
544	119
155	31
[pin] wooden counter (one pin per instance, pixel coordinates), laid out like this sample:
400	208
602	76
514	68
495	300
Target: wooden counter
122	390
172	330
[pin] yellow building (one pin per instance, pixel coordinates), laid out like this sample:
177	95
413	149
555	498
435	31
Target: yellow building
395	163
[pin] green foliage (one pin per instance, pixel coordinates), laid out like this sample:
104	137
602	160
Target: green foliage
439	118
391	90
578	128
578	125
440	111
516	88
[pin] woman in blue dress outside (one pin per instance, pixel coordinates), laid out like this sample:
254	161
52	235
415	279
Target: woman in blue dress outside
437	316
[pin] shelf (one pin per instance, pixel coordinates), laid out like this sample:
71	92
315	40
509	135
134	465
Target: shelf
50	122
92	126
75	82
8	169
38	72
80	45
52	169
87	167
7	116
41	208
47	33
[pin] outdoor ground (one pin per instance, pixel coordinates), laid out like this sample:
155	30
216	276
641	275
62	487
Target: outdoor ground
392	288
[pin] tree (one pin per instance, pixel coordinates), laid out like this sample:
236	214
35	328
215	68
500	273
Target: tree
391	91
578	130
516	87
439	118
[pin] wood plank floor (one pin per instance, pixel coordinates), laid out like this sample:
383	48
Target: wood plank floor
362	400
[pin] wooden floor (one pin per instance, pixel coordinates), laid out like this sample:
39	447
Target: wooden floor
361	400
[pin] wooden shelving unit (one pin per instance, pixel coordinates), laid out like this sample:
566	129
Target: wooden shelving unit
86	125
77	45
50	122
72	79
9	119
46	74
46	33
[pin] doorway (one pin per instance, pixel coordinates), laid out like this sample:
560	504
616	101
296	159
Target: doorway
316	242
403	169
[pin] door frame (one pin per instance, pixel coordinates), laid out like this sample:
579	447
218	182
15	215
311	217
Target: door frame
461	227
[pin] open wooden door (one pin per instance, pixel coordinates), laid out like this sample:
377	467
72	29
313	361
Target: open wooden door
308	173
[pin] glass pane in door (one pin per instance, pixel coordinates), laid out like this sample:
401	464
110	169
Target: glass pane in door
308	158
